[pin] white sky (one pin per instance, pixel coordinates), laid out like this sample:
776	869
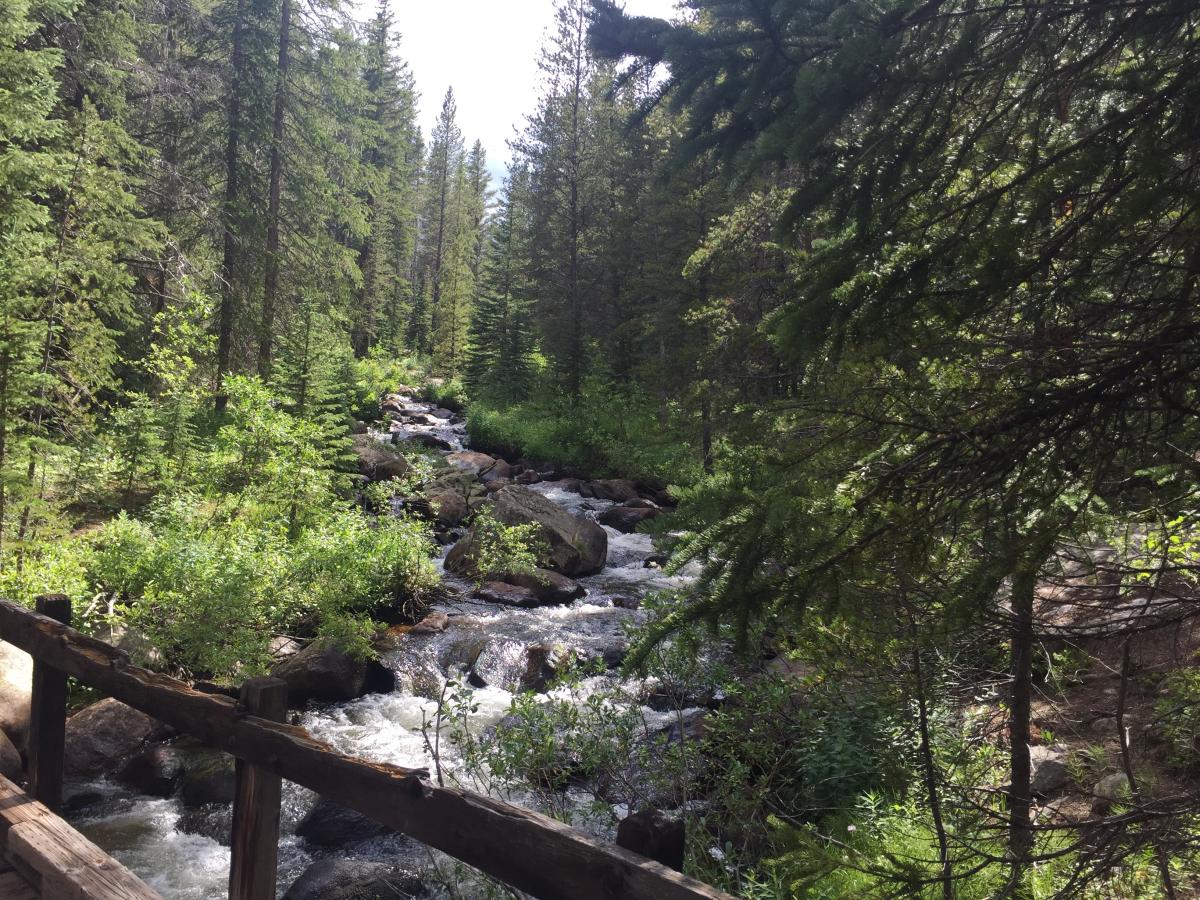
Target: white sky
486	49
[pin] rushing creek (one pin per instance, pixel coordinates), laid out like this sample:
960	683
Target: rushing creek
181	850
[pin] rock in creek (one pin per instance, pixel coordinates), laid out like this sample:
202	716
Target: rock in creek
627	518
471	461
434	623
10	759
616	489
325	673
549	587
506	594
209	776
330	824
449	508
355	879
16	683
155	771
514	666
423	439
500	471
101	736
576	546
377	462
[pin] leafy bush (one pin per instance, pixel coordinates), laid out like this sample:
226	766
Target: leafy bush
1178	712
610	434
375	376
450	394
510	549
211	588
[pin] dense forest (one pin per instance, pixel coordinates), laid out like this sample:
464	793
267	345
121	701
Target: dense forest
870	333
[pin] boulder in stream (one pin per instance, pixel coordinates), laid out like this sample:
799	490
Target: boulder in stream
330	824
16	685
575	546
449	508
471	461
10	759
355	879
548	587
422	439
627	518
325	673
376	461
155	771
506	594
102	736
616	489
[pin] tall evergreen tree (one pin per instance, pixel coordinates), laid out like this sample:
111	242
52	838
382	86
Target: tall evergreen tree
498	362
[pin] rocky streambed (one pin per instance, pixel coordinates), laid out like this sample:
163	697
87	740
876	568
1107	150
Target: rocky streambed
163	806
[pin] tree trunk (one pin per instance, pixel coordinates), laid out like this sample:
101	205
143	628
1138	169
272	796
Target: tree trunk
230	217
1020	797
271	282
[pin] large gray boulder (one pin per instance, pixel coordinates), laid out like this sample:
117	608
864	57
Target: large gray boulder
575	546
102	736
355	879
472	461
1048	769
10	759
626	519
448	507
377	462
16	683
547	586
330	824
618	490
326	673
1109	790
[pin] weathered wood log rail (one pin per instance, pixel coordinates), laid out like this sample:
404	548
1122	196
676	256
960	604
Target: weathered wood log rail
524	849
44	858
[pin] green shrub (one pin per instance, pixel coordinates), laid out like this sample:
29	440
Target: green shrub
450	394
376	376
1178	712
210	588
610	434
511	549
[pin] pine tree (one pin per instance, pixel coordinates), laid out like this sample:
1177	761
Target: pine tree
563	157
500	346
441	168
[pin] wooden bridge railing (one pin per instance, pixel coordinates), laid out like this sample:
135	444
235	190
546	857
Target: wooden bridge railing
524	849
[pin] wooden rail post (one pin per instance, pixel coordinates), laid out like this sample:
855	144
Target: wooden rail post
48	716
255	839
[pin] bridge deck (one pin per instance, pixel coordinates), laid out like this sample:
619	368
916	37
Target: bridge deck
41	856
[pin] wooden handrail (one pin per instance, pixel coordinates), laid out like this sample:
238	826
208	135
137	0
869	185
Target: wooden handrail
524	849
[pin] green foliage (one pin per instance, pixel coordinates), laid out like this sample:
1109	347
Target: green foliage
210	586
449	394
1178	717
498	548
616	436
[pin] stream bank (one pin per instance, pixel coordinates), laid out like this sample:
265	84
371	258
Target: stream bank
505	642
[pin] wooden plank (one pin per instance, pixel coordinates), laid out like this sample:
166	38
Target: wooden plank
71	866
48	716
254	847
16	807
527	850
